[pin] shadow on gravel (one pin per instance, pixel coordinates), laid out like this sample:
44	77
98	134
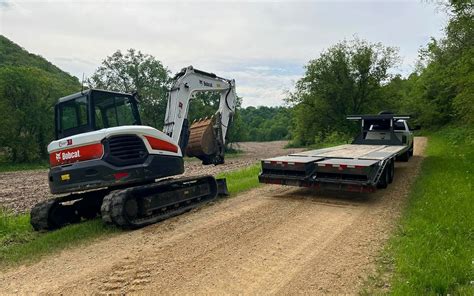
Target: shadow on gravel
403	170
328	197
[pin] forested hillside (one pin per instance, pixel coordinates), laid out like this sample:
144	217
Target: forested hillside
29	87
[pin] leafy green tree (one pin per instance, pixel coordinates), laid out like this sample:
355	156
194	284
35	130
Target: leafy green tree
264	123
346	79
135	71
27	98
29	88
441	89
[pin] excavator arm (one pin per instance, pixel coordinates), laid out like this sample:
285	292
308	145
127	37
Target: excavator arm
204	139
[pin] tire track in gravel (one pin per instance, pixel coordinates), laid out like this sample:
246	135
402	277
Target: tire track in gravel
270	240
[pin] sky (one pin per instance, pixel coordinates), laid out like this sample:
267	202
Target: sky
263	45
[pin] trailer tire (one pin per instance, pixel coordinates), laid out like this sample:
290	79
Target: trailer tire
384	179
391	171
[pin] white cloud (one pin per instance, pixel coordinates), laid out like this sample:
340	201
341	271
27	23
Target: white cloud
264	46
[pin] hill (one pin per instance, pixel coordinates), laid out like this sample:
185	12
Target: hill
29	88
11	54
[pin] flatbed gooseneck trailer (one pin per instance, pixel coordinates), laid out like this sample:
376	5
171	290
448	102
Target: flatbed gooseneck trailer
363	166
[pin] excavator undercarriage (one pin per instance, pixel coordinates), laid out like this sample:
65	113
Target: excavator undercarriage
129	208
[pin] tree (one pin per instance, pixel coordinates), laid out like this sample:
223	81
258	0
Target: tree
345	79
441	90
27	98
136	72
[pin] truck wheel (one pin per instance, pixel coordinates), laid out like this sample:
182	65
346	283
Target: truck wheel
410	152
391	171
404	157
383	181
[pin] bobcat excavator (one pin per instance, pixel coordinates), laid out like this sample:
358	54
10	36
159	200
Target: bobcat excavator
113	166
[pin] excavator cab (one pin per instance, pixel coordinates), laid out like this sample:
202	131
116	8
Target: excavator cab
94	109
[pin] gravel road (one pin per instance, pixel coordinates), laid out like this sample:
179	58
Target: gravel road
20	191
269	240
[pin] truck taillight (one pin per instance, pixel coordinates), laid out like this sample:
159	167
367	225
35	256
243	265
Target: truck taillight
81	153
158	144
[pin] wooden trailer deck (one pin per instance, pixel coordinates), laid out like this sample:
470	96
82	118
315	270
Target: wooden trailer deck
347	151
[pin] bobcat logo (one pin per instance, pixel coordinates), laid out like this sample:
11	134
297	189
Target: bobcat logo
58	156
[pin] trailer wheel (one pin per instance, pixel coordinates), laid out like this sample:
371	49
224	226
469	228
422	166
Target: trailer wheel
391	171
384	179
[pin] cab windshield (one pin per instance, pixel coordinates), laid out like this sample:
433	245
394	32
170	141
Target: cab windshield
112	110
93	111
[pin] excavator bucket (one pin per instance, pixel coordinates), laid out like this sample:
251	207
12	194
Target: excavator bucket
202	140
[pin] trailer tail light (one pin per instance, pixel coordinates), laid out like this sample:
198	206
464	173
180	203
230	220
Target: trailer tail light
81	153
120	175
158	144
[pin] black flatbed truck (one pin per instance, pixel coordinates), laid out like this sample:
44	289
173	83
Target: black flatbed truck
365	165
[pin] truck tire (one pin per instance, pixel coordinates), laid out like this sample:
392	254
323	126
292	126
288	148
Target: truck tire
410	152
405	156
391	171
383	181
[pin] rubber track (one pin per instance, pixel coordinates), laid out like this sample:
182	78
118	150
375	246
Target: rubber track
112	209
39	216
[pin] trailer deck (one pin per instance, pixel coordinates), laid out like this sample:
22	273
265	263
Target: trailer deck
352	151
363	166
349	167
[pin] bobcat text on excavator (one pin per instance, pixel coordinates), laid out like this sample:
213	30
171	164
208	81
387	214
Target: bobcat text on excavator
113	166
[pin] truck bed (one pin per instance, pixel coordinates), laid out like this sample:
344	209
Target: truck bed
353	167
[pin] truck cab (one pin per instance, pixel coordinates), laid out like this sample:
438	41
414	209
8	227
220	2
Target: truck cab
381	131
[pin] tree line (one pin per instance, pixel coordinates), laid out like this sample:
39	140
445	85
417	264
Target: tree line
350	77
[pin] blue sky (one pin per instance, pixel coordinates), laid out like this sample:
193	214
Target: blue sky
263	45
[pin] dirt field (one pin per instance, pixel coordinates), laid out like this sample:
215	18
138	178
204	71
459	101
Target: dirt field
270	240
20	191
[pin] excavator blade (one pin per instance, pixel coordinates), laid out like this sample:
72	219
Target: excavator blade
222	187
202	141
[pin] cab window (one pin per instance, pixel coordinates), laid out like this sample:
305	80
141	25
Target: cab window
73	114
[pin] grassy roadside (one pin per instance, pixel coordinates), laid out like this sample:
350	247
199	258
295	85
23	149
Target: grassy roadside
12	167
433	250
20	244
241	180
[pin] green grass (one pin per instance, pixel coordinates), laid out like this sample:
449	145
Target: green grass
19	243
241	180
12	167
433	251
